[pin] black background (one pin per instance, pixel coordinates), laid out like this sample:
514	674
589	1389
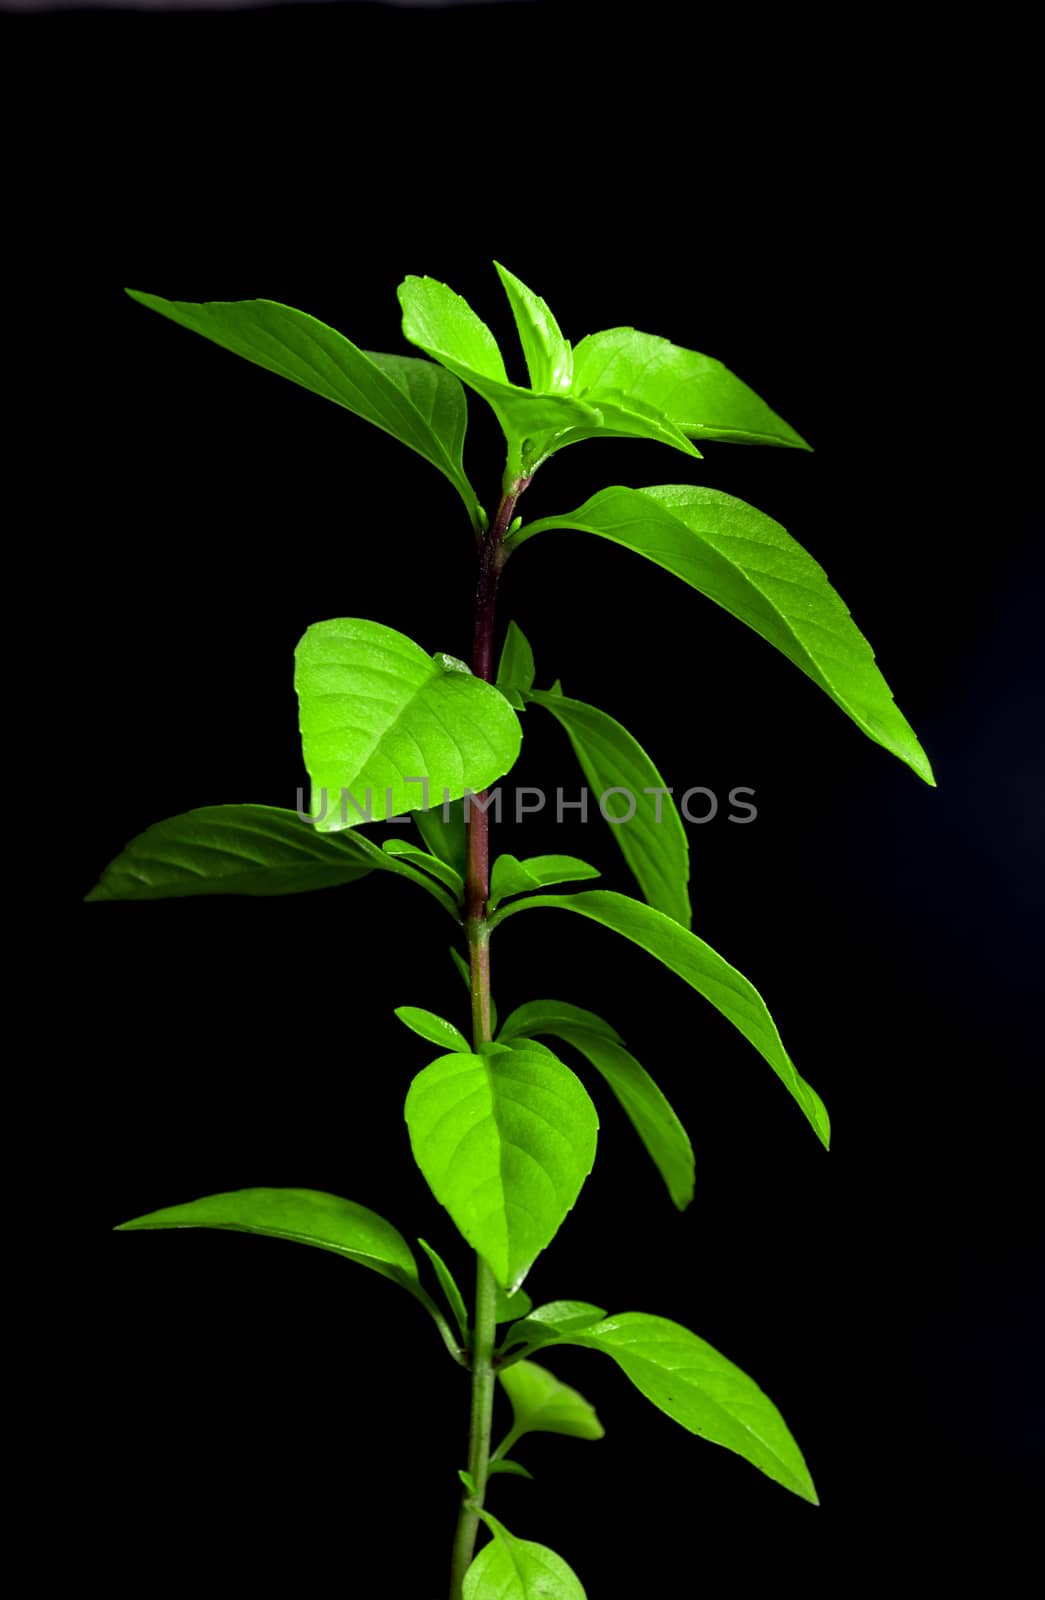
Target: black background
841	219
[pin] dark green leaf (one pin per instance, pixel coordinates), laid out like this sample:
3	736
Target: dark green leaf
698	394
516	669
699	966
448	1284
443	829
378	715
505	1141
427	862
542	1404
549	359
652	840
750	565
255	850
433	1028
516	1569
647	1108
422	406
512	876
687	1379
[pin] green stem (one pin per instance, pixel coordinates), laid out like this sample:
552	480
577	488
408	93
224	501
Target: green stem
477	893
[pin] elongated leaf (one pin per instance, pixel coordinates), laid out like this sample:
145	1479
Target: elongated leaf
254	850
514	1469
433	1028
376	711
515	671
750	565
425	410
645	1105
698	394
541	1403
427	862
505	1141
443	829
549	359
652	840
622	416
544	1016
687	1379
545	1324
454	1297
512	876
516	1569
306	1216
699	966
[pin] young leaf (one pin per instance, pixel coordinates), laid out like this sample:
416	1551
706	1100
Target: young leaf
514	1468
427	862
546	1323
422	406
699	966
505	1141
443	829
515	670
510	1306
698	394
255	850
549	359
687	1379
622	416
377	711
512	876
542	1404
516	1569
545	1016
448	1284
750	565
306	1216
433	1028
647	1108
652	841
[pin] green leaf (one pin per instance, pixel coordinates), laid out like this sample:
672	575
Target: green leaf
546	1323
448	1284
657	851
306	1216
516	1569
443	829
433	1028
515	671
444	325
514	1468
255	850
427	862
698	394
549	359
542	1404
510	1306
699	966
462	966
422	406
376	711
622	416
544	1016
687	1379
646	1107
467	1479
512	876
750	565
505	1141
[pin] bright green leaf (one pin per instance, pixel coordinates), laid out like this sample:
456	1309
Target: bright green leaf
433	1028
505	1141
255	850
546	1323
512	876
543	1404
422	406
448	1284
645	1105
516	669
699	966
545	1016
514	1468
549	359
467	1479
622	416
649	831
750	565
698	394
516	1569
427	862
510	1306
687	1379
443	829
377	711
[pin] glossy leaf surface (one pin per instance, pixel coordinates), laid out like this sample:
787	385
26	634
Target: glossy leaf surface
610	758
427	862
448	1284
517	1569
512	876
434	1028
422	406
377	711
549	359
699	966
543	1404
750	565
505	1141
252	850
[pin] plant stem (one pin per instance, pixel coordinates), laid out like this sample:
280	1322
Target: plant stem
492	557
